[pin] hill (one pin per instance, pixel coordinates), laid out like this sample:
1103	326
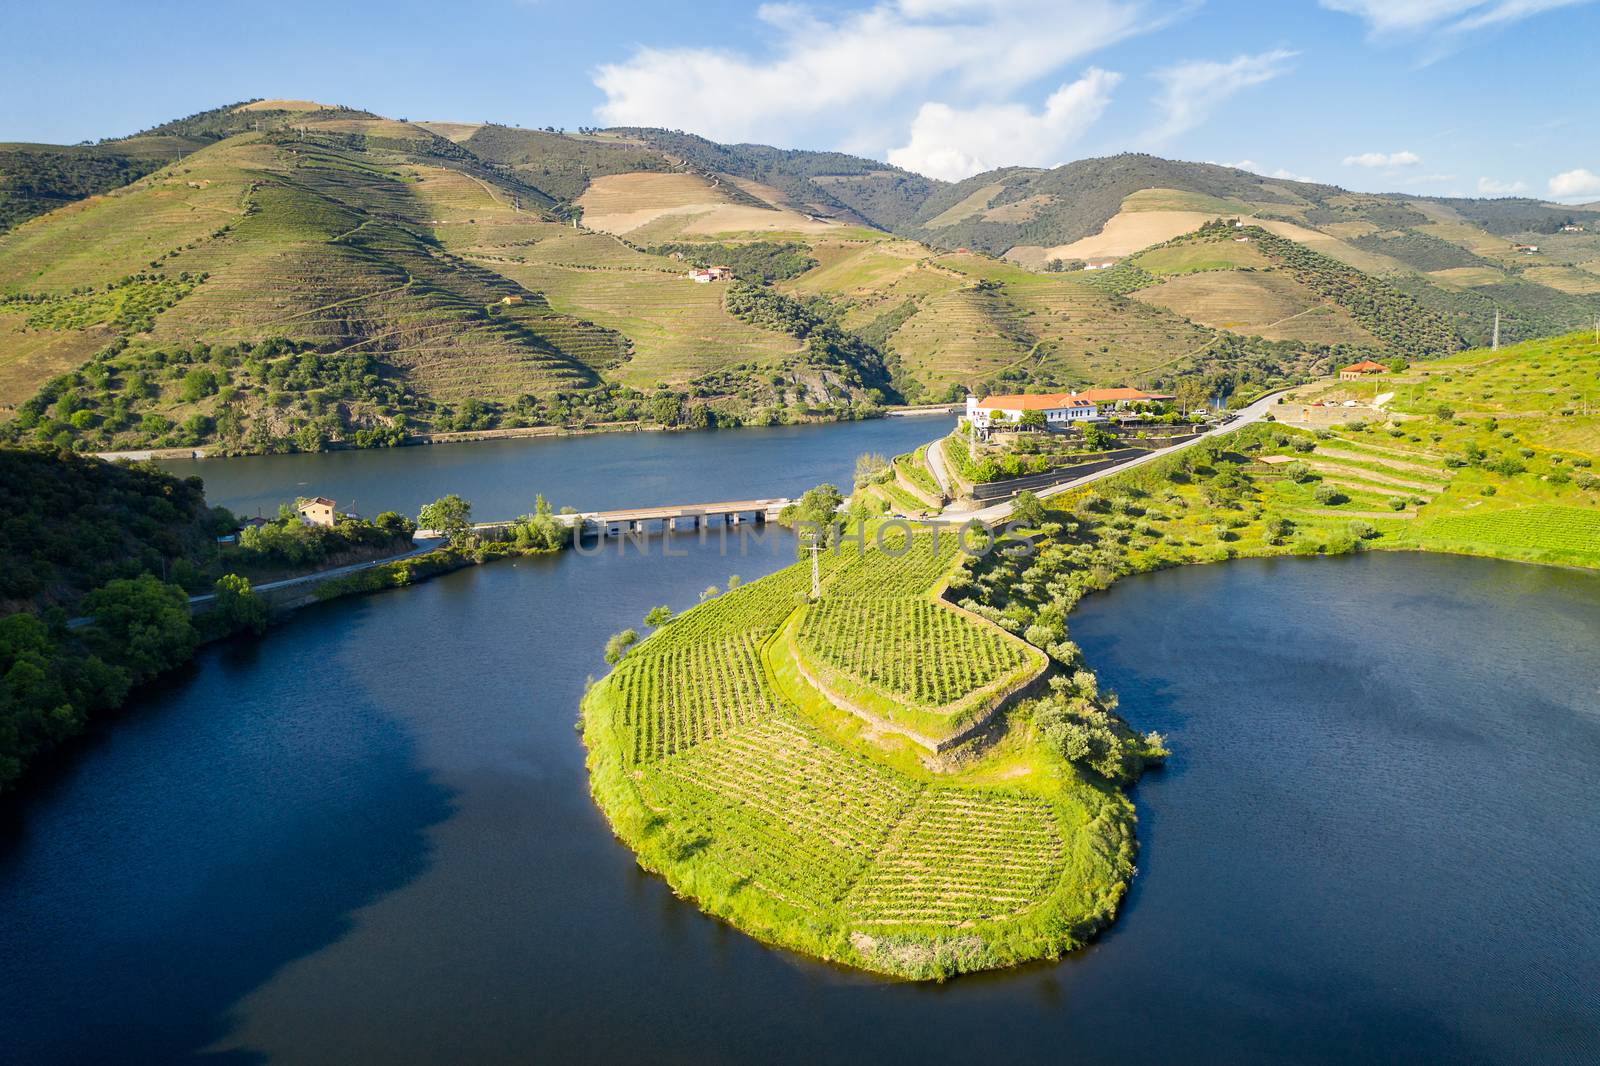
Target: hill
1538	263
309	275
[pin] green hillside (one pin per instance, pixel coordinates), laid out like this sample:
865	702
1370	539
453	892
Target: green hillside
283	275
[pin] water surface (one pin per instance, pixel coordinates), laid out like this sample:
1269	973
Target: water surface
602	470
369	838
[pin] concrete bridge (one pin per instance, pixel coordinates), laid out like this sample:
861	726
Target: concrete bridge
675	516
678	516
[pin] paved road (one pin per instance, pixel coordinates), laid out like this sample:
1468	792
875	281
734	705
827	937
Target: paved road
423	547
935	455
999	512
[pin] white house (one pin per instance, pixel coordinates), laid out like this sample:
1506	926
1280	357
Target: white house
1059	409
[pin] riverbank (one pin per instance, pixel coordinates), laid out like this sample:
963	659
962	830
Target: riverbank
415	440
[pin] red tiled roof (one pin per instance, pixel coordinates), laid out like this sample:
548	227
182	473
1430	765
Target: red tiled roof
1116	395
1366	366
318	499
1044	401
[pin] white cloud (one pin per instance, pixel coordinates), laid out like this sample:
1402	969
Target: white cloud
1390	17
1193	90
1494	187
1575	185
1256	168
954	143
1383	159
877	65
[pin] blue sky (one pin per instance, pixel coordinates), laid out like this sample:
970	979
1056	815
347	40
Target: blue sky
1460	97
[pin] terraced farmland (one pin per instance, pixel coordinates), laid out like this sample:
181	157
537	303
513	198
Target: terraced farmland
960	857
776	817
909	649
1260	304
28	357
679	330
1059	327
799	816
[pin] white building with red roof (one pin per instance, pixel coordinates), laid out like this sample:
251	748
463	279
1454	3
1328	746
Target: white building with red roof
1059	409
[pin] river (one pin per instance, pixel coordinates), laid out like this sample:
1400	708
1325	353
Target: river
599	471
368	837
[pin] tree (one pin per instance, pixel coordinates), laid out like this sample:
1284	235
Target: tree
450	516
1190	393
658	616
734	581
237	606
1032	420
1098	438
815	510
619	644
395	524
869	465
1027	509
540	531
708	592
142	623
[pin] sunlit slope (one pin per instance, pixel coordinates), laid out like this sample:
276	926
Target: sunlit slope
650	207
338	250
1484	452
675	329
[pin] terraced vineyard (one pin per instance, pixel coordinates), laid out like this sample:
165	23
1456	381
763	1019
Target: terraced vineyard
688	694
959	857
909	649
780	818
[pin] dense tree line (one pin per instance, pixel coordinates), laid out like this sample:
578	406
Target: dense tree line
763	261
1397	320
828	344
121	545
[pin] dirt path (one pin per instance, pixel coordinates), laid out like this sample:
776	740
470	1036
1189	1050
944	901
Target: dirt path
1335	513
1338	470
1397	464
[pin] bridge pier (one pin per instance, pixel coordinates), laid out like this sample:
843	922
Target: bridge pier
692	522
734	518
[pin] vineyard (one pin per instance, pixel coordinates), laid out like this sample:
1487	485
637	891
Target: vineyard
1560	534
909	649
888	567
771	816
959	857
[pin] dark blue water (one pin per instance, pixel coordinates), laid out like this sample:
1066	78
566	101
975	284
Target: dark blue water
589	473
368	838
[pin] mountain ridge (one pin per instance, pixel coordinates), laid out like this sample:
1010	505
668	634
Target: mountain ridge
330	276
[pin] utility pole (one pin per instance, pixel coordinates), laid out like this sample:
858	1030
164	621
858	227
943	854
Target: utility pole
1496	345
816	574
